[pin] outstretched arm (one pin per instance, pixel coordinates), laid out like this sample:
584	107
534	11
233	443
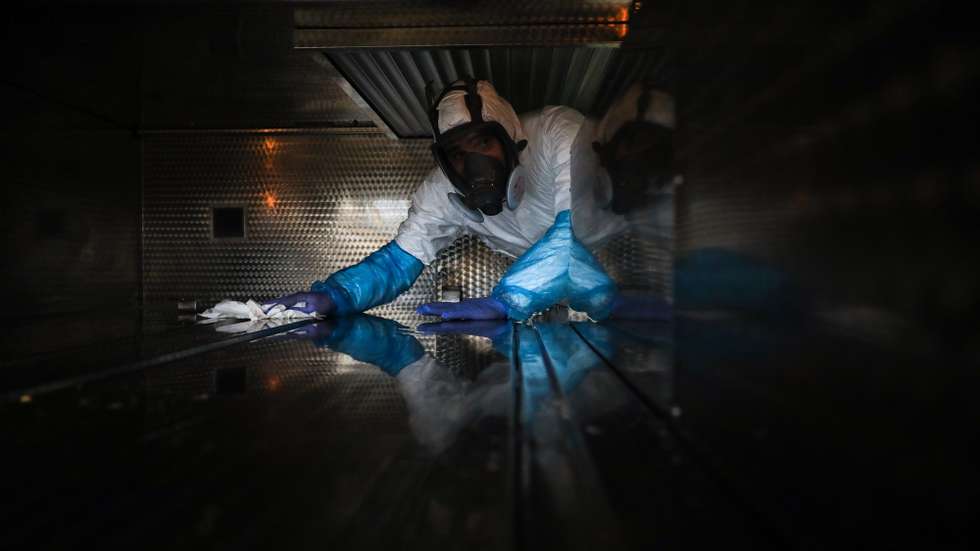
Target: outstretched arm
378	279
389	271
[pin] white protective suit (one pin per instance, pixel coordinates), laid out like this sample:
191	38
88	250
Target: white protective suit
555	268
434	222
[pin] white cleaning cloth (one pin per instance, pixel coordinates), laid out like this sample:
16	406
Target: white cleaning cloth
253	311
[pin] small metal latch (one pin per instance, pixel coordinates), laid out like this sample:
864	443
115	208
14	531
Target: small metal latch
451	294
186	310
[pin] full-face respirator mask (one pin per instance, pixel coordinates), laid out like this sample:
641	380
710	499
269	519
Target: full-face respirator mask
485	184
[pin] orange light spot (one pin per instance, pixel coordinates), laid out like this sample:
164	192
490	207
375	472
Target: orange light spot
273	383
621	29
623	17
270	145
270	200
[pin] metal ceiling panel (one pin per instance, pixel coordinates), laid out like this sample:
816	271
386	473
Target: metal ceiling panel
399	24
393	82
490	35
438	13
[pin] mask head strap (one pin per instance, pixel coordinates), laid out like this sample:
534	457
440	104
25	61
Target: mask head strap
474	103
642	104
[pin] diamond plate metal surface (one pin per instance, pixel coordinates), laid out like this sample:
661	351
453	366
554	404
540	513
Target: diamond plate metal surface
470	266
314	204
640	263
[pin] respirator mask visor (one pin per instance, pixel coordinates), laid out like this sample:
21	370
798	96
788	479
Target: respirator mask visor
481	179
640	164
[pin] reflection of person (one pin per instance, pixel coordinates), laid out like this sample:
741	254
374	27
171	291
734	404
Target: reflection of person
634	142
623	176
501	178
569	356
439	403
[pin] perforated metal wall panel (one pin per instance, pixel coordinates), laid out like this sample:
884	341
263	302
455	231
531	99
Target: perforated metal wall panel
314	203
640	263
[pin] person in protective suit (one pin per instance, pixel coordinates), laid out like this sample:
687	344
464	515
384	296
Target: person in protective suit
623	180
500	177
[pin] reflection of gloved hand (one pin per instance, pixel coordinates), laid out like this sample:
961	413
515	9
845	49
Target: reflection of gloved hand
368	339
316	331
498	331
490	329
641	308
310	303
487	308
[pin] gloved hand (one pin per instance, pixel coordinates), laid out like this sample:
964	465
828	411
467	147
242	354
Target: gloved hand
312	302
641	308
486	308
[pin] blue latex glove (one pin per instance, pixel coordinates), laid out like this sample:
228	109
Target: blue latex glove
377	279
318	303
641	308
368	339
556	267
487	308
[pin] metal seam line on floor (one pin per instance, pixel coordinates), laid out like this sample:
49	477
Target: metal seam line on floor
723	481
520	455
587	474
563	442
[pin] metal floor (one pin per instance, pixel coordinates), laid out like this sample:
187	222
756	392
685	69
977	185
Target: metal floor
499	436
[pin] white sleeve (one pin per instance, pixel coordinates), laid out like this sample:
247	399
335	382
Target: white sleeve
432	222
561	127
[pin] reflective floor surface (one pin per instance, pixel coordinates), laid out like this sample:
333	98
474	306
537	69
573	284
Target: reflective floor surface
362	433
